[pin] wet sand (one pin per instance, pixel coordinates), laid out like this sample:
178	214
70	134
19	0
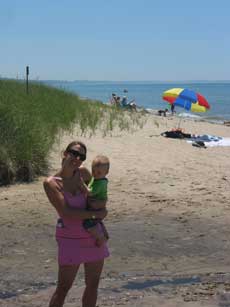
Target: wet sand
168	221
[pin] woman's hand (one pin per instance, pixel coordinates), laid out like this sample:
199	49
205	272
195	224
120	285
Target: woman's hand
68	166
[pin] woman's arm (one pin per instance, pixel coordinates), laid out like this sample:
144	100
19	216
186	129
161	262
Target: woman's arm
85	174
56	198
97	204
83	177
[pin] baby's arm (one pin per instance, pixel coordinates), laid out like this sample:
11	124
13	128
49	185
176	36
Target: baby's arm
84	188
97	204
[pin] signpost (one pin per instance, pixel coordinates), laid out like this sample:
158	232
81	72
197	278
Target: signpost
27	79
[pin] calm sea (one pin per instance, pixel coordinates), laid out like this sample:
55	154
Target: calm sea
148	94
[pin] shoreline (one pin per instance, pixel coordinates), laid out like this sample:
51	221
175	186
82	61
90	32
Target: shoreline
191	116
148	94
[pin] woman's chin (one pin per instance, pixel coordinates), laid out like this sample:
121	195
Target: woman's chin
76	165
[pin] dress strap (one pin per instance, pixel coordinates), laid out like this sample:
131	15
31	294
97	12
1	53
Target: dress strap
57	178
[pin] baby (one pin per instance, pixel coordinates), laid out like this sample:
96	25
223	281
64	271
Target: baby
97	190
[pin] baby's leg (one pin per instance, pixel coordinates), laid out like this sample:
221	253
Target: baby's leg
98	235
106	234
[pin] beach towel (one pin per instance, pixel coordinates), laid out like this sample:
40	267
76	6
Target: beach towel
206	138
221	142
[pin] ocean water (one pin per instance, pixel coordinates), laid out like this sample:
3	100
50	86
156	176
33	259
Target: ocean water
149	94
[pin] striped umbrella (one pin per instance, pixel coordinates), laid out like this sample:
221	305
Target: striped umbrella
187	99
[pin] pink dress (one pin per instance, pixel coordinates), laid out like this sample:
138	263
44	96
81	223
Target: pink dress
75	244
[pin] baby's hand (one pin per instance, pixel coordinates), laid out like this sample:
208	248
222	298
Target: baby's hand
101	214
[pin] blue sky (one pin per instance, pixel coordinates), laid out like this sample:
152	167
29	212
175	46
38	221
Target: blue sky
116	39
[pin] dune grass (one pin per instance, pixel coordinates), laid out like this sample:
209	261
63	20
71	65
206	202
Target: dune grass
30	124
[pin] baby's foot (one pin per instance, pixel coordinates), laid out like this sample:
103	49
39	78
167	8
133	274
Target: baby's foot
106	236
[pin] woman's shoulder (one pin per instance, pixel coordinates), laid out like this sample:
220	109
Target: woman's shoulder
54	178
52	182
85	173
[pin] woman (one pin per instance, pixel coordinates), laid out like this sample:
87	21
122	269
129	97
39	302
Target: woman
75	244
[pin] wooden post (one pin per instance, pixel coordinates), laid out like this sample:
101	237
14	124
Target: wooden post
27	79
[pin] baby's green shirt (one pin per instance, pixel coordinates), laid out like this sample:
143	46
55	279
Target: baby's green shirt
98	188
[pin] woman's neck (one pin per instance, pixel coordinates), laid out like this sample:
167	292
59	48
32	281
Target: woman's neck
66	174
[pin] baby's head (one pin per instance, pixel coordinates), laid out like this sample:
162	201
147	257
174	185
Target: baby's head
100	167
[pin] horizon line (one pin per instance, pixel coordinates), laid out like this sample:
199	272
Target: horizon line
142	81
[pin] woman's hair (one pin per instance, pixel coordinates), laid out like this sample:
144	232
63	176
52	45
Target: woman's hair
76	143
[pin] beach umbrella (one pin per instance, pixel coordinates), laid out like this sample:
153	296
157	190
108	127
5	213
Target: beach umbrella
187	99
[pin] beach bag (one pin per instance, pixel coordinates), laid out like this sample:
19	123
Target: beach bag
199	144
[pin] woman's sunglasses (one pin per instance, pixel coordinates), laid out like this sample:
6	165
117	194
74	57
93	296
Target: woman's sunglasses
77	154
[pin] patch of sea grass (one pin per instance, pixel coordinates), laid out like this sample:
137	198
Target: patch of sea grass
31	123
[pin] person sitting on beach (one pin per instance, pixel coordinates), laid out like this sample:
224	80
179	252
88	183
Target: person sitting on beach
97	190
124	101
130	105
162	112
113	99
118	101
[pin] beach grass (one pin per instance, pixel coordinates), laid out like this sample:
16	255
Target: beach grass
30	124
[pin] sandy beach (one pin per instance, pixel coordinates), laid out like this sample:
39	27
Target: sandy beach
168	222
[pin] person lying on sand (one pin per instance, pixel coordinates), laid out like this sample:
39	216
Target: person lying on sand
162	112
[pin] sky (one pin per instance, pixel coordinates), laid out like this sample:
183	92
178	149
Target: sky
117	40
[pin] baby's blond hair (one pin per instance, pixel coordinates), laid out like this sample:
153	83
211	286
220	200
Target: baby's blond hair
102	162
